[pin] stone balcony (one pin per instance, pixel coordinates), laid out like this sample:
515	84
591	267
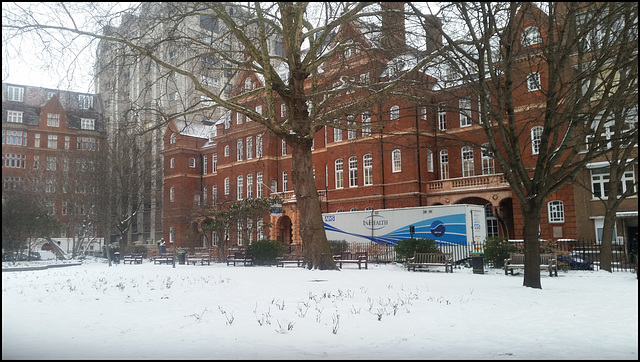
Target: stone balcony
479	183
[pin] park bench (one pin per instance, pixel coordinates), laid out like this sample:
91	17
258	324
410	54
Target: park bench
164	258
239	257
424	260
199	258
359	257
298	260
132	259
548	262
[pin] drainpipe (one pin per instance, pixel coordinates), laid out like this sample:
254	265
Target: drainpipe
384	204
418	154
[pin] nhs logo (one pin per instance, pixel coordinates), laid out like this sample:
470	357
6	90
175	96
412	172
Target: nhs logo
329	218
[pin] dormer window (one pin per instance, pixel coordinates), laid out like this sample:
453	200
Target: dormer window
172	139
531	36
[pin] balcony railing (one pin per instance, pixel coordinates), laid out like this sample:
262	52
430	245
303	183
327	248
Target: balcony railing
474	182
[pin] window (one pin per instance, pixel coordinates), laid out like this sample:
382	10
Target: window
429	161
196	200
227	186
239	187
15	160
366	125
249	147
339	171
353	171
53	141
214	194
396	161
67	141
226	151
173	96
15	94
51	94
492	221
14	116
277	48
227	121
556	211
204	165
250	186
394	113
214	162
536	137
337	132
364	78
172	194
239	149
64	208
351	132
86	143
50	186
172	163
51	163
87	123
239	118
259	110
259	146
284	147
36	142
533	81
442	117
600	182
488	167
285	183
65	163
204	196
172	139
465	112
367	165
247	84
17	138
467	162
423	113
209	23
283	110
531	36
36	162
192	162
259	184
85	101
274	186
53	120
444	164
172	234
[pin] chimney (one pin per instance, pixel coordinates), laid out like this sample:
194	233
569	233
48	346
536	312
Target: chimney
433	29
393	30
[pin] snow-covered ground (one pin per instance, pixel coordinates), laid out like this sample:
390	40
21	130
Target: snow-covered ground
151	311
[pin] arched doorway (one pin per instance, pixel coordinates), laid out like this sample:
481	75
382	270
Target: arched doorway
284	230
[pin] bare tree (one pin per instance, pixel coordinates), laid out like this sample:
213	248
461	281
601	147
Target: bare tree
584	70
296	48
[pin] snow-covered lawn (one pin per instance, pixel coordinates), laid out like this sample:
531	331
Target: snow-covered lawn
151	311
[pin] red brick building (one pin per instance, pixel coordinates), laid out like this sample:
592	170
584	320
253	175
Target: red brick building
49	137
404	163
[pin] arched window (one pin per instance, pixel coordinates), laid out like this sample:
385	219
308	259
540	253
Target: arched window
192	162
488	166
394	113
172	163
429	161
492	221
247	84
556	211
172	194
339	168
353	171
396	162
531	36
444	164
172	139
467	162
536	137
367	165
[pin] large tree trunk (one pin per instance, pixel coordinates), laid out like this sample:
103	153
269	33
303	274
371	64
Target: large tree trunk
531	233
317	252
607	239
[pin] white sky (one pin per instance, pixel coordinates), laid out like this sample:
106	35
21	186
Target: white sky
158	312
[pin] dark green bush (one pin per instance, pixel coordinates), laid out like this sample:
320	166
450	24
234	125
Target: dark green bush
338	246
496	249
265	252
406	247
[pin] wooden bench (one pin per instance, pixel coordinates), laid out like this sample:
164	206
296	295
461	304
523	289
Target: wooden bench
132	259
199	258
548	262
423	260
290	259
360	258
164	258
238	257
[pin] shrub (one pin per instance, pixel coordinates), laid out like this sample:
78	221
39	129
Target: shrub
406	247
496	250
338	246
265	252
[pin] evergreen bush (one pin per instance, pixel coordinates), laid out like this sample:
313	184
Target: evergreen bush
407	247
496	250
265	252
